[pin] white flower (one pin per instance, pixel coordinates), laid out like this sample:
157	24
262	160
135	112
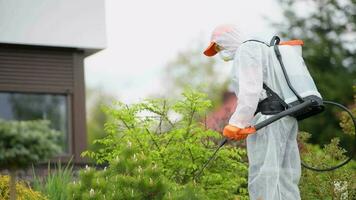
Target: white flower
91	192
340	187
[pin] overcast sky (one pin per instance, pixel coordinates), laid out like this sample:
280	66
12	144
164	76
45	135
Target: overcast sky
144	35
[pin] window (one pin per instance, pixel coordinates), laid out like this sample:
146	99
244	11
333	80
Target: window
38	82
28	106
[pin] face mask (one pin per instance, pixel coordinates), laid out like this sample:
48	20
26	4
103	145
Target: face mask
226	55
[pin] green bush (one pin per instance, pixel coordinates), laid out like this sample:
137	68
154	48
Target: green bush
23	192
23	143
131	175
336	184
173	137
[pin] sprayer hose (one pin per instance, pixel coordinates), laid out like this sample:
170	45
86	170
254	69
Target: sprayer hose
353	150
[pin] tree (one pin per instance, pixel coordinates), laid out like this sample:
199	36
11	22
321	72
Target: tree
328	28
23	143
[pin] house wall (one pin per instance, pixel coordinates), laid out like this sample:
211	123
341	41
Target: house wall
43	44
60	23
49	70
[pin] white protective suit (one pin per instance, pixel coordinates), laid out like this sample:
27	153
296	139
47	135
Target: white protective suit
274	162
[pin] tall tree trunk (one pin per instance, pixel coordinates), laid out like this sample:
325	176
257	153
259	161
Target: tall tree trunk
12	184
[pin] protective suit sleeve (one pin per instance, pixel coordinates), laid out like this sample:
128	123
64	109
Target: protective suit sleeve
248	64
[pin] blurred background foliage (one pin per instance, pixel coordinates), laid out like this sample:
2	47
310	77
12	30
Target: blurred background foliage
96	118
191	69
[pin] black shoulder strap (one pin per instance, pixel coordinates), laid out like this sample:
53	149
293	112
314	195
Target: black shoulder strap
270	92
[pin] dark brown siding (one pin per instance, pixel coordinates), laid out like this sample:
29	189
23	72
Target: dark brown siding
79	114
48	70
36	69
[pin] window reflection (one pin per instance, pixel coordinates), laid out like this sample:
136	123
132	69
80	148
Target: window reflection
23	106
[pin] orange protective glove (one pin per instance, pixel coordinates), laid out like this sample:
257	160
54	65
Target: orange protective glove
236	133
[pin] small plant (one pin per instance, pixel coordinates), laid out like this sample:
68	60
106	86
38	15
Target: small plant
23	191
131	175
24	143
56	182
172	135
337	184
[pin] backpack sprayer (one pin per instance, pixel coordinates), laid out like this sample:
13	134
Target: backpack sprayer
302	108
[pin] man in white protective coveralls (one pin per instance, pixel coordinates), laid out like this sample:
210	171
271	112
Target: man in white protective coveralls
274	162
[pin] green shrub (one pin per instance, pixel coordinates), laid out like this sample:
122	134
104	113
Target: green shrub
131	175
173	137
23	192
23	143
337	184
55	184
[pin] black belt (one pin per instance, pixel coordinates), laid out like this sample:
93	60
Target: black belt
269	106
272	105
